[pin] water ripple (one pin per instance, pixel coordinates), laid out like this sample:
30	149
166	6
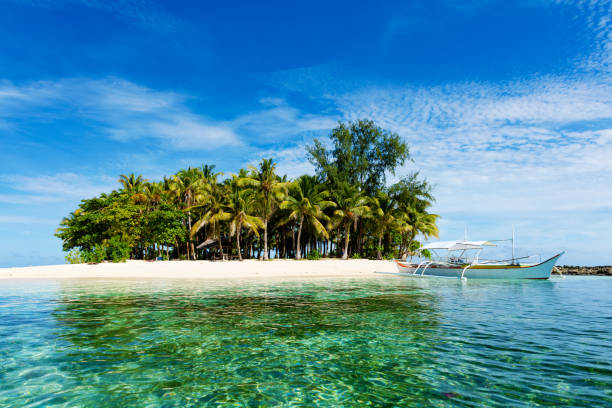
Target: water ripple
379	342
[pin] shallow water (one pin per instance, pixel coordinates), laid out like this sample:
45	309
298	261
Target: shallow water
388	341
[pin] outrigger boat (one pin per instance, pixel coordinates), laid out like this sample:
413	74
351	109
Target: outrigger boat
462	261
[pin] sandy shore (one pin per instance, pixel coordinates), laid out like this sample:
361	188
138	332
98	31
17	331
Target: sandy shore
204	269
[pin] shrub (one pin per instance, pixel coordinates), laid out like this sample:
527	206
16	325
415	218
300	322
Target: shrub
96	255
356	255
117	250
314	255
75	256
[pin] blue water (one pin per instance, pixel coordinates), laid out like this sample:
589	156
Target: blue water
388	341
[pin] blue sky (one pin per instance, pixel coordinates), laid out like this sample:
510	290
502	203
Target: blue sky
507	105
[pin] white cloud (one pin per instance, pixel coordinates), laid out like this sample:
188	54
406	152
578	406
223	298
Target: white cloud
124	111
53	188
291	161
28	220
537	150
530	152
27	199
117	108
280	121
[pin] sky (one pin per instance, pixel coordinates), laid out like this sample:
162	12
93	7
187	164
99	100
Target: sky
506	105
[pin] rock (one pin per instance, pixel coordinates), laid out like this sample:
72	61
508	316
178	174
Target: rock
585	270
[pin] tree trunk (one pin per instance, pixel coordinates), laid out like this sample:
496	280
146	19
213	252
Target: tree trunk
266	257
220	244
359	236
189	236
293	239
347	229
238	243
298	252
412	235
378	253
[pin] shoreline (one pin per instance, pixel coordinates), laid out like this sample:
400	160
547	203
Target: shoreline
214	270
229	270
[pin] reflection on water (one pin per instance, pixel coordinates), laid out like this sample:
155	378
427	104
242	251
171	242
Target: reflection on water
383	342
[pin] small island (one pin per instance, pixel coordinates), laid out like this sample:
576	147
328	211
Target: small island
345	210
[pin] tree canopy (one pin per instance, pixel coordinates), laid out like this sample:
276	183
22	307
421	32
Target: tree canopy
345	210
361	154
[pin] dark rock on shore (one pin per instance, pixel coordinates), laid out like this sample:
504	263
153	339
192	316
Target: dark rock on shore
585	270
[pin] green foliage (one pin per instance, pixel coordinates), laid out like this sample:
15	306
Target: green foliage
165	225
98	219
344	208
117	250
96	255
362	154
314	255
356	255
75	256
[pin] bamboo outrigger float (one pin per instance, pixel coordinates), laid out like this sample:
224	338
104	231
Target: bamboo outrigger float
462	261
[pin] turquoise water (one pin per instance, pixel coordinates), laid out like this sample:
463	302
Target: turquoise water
388	341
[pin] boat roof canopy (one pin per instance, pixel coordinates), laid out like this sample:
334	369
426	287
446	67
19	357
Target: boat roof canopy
457	245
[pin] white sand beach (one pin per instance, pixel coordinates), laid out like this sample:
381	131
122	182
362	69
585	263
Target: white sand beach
205	269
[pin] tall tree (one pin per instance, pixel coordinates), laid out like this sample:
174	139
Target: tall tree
361	154
382	213
272	189
134	187
305	203
413	196
214	204
351	205
240	209
188	186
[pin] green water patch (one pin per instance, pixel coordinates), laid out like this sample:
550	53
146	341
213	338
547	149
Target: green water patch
379	342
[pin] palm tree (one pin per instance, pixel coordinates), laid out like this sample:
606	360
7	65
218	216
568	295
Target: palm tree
413	198
208	173
306	202
240	207
154	193
188	187
351	205
413	223
134	186
215	210
383	215
265	181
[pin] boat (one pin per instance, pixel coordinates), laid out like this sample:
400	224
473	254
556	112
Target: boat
462	261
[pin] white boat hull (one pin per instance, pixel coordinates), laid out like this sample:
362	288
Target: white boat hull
537	271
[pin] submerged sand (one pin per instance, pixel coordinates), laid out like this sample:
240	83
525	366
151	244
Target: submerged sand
284	268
